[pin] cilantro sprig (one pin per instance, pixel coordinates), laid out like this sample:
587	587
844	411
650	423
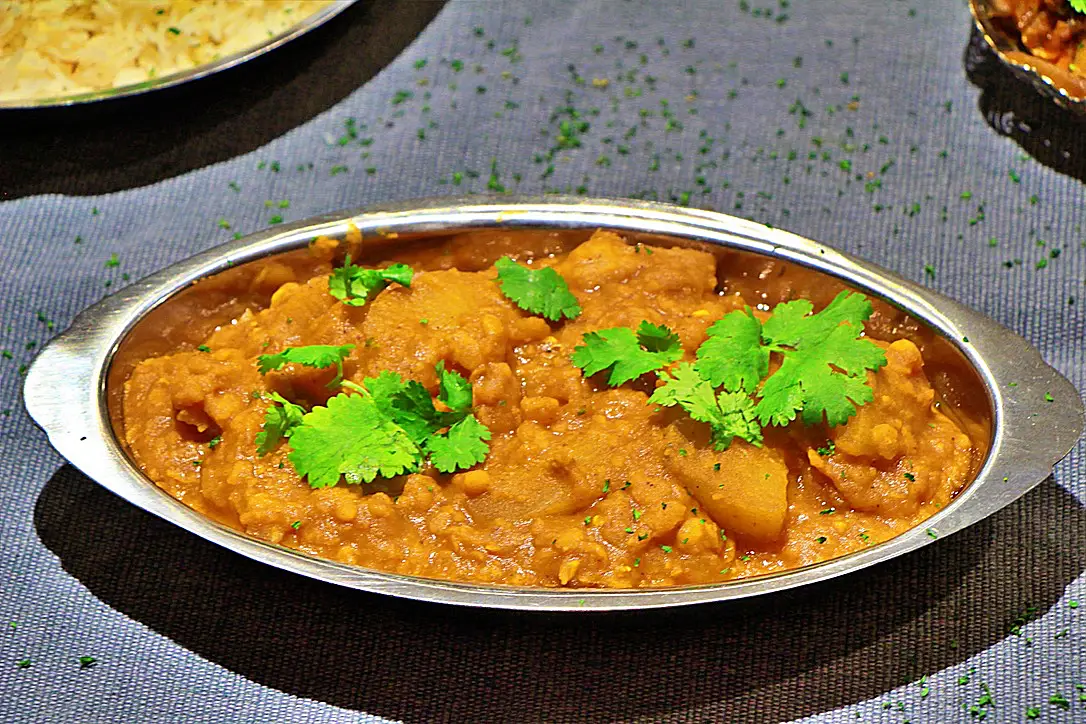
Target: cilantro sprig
822	375
386	426
354	285
729	414
824	360
627	354
350	437
539	291
280	419
1079	5
463	446
314	355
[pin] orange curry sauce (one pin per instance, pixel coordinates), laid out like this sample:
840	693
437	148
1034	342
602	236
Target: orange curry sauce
585	485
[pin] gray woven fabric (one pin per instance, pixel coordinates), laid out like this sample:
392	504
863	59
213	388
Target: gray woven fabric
854	123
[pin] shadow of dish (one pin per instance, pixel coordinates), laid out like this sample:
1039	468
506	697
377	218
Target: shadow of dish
778	658
175	130
1050	134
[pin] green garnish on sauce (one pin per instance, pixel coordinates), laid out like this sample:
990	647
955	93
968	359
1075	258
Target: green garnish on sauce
539	291
314	355
824	360
384	427
729	414
280	420
627	354
822	376
355	286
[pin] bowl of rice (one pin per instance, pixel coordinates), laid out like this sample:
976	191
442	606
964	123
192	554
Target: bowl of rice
68	52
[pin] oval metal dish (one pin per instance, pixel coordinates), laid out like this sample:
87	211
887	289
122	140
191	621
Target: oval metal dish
1035	422
1053	83
184	76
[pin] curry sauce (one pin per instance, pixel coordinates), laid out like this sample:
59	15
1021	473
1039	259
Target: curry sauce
584	484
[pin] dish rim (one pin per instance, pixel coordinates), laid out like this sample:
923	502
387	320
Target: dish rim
310	22
65	389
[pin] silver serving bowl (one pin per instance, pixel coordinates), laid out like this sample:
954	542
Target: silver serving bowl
1051	82
1034	422
184	76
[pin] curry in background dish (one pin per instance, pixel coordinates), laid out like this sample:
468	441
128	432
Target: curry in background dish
1053	31
567	479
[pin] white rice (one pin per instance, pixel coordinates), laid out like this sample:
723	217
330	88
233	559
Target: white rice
51	48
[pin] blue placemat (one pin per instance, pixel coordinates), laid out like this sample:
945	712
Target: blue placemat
854	123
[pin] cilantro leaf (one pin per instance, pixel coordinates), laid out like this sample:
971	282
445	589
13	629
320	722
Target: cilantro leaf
413	410
463	446
388	429
729	414
790	324
821	377
409	405
1079	5
355	286
383	388
739	420
624	352
453	389
280	420
657	337
733	356
539	291
350	437
314	355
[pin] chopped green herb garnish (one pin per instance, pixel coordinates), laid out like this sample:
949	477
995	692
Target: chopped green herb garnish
729	414
354	285
350	437
539	291
825	361
627	354
453	390
85	662
1060	701
314	355
388	429
463	446
280	420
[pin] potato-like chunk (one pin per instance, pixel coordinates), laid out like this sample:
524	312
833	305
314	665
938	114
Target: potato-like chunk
744	488
458	317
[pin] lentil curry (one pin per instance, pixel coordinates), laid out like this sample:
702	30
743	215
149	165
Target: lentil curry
556	474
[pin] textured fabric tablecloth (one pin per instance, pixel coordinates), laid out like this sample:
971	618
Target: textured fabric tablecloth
880	128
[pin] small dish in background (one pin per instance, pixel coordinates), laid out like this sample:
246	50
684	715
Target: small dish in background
996	21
